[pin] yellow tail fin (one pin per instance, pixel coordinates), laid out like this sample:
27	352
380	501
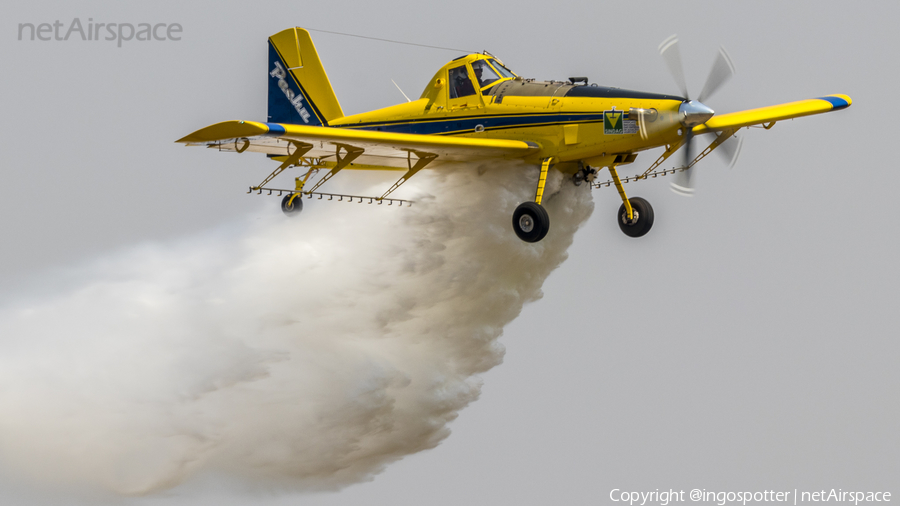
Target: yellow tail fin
299	90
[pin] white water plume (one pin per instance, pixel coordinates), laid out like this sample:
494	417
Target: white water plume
298	354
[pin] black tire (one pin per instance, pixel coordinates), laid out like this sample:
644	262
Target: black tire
531	222
643	219
292	208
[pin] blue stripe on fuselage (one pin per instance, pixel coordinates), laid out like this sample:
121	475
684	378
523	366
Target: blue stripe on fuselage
454	125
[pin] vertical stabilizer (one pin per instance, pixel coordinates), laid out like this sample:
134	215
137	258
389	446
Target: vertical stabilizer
299	90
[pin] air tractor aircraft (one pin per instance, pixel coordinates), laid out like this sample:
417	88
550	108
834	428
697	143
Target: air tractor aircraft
476	109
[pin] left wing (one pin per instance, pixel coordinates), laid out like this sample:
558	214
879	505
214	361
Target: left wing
773	113
378	148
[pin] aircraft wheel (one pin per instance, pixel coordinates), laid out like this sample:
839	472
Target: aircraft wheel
531	222
643	217
292	208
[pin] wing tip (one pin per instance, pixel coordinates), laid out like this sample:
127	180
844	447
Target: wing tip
226	130
838	101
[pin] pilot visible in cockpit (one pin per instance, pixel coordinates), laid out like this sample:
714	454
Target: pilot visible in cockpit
484	73
478	67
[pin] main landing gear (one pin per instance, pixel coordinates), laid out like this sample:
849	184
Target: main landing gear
635	214
292	204
531	221
642	217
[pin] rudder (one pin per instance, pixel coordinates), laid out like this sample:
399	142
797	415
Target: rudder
299	90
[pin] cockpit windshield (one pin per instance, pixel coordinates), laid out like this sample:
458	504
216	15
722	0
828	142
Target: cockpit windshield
484	73
501	69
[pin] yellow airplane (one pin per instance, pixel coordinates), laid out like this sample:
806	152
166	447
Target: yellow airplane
475	108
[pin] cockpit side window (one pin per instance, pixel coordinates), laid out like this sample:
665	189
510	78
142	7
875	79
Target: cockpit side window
501	69
460	84
484	74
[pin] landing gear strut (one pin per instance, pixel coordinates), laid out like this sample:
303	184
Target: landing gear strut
530	220
635	214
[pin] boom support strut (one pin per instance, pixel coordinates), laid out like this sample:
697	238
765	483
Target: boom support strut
352	153
423	160
300	149
724	136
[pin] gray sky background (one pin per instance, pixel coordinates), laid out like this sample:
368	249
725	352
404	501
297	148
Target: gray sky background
747	343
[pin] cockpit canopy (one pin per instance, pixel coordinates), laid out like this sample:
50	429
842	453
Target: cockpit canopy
487	80
487	72
469	73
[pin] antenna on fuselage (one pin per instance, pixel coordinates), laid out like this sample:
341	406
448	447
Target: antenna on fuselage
401	91
389	40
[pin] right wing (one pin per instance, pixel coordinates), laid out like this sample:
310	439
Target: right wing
773	113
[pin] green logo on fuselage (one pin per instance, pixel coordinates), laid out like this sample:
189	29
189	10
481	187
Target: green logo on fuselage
613	122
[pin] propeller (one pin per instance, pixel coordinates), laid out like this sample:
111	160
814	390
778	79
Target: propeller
693	112
731	149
